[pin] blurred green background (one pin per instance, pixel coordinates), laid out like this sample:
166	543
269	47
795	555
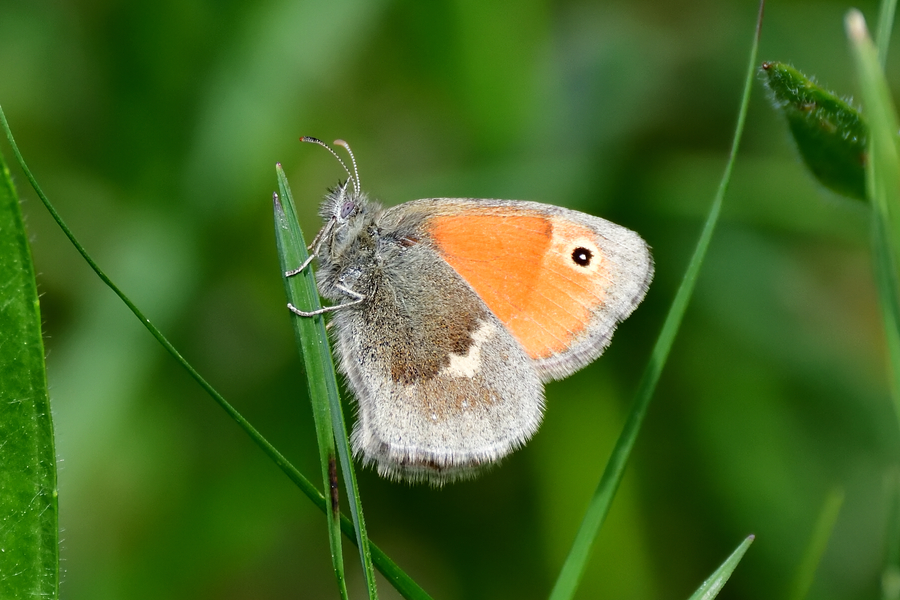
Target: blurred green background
155	128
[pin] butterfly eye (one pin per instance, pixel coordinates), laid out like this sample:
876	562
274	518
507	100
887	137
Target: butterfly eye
347	208
582	256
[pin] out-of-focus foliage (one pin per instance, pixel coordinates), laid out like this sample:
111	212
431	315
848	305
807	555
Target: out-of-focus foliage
155	128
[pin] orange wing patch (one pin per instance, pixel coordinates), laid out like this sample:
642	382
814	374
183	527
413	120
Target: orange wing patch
521	264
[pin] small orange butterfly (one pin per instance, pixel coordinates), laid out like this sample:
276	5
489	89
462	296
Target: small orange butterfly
453	312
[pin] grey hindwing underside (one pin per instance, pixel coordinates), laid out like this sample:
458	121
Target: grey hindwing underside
442	386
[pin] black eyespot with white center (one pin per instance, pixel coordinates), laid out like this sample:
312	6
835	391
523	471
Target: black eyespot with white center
582	256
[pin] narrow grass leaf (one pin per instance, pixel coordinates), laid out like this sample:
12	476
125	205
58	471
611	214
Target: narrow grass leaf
885	25
29	516
882	193
882	187
829	133
401	581
890	576
818	542
320	377
573	568
888	303
714	584
313	341
884	163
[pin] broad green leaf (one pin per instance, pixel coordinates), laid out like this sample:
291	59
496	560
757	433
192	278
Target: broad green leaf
29	529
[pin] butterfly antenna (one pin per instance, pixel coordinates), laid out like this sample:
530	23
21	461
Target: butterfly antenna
353	180
346	146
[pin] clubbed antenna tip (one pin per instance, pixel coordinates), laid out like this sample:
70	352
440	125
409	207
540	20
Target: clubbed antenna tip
354	178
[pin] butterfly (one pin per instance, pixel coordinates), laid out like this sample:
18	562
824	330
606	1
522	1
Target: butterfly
450	314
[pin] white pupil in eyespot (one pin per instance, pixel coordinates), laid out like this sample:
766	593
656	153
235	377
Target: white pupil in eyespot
582	256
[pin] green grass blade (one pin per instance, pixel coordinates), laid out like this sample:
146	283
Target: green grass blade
818	542
576	561
314	348
321	382
890	576
884	194
402	582
888	303
713	585
29	516
884	163
885	25
882	187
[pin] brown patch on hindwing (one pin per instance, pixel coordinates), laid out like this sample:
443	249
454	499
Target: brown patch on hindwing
420	359
425	317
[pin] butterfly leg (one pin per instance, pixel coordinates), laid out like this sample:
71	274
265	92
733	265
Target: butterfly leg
303	266
315	246
357	298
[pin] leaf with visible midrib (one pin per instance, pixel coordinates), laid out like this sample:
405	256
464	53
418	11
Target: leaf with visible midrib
29	532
